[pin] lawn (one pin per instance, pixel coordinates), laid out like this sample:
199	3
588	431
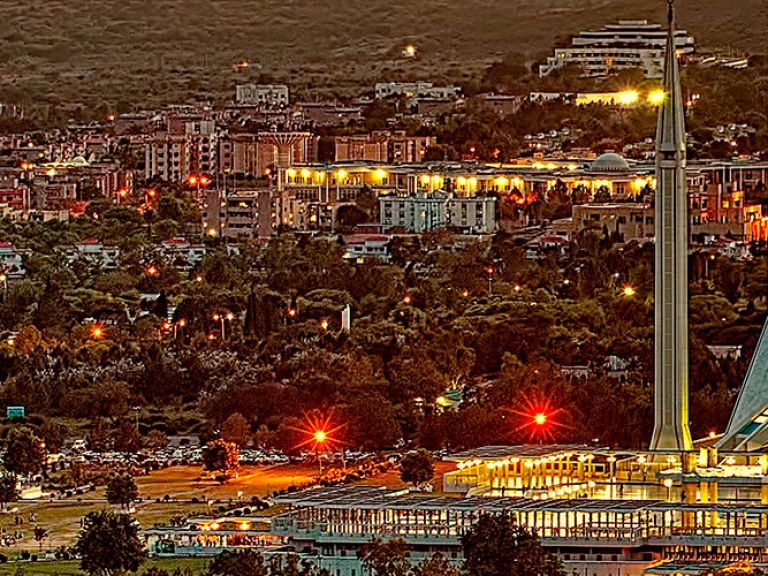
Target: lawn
71	567
188	495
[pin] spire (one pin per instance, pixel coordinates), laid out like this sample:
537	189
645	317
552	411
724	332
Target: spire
670	135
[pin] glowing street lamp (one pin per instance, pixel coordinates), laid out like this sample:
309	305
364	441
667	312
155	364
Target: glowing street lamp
151	271
97	332
628	291
540	419
657	97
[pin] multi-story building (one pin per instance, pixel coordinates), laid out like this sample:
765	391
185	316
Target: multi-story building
383	147
362	247
628	44
241	214
174	158
423	213
415	90
265	94
253	154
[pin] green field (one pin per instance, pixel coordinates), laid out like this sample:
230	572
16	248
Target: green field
149	51
71	567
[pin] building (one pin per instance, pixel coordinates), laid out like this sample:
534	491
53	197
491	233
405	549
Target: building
362	247
383	147
95	254
174	158
182	254
426	212
12	260
240	214
262	94
625	45
415	90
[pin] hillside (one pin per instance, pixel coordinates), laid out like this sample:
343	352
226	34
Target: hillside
150	51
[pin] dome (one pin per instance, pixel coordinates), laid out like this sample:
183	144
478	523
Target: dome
610	162
79	161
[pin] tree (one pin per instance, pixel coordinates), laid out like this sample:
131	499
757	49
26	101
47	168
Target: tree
230	563
40	534
127	437
222	458
109	543
385	558
436	565
498	546
9	488
417	467
235	429
121	489
25	454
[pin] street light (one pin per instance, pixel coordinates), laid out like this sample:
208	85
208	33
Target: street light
4	280
97	332
628	291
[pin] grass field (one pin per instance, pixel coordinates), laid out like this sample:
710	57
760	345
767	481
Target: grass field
150	51
181	484
71	568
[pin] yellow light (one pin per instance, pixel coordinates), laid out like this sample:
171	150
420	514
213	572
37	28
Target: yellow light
320	436
341	174
713	434
538	166
425	179
441	401
572	167
551	166
244	526
473	182
628	97
628	291
657	97
461	181
305	173
540	419
214	525
501	181
668	482
380	174
291	173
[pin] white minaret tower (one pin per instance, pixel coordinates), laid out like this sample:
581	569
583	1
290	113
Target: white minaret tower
671	429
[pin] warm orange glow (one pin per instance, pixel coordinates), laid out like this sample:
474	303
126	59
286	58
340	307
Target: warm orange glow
216	317
198	278
152	192
407	299
182	322
628	291
204	181
324	324
540	419
320	436
193	180
97	332
151	270
292	312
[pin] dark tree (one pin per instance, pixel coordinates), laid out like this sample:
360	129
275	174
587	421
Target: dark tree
9	489
221	457
498	546
26	452
109	543
121	489
230	563
385	558
40	534
417	467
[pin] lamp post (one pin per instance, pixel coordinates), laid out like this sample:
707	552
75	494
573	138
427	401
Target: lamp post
4	280
320	438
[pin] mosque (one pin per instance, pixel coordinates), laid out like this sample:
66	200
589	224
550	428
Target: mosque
680	507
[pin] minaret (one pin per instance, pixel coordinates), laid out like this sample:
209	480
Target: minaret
671	430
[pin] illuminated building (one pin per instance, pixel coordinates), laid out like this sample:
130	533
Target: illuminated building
628	44
262	94
415	90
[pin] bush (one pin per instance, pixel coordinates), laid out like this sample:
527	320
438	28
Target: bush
25	554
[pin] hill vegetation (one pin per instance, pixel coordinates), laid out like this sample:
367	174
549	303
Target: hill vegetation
110	54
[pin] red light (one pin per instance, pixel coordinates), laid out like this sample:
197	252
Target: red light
193	180
407	299
540	419
152	192
151	271
320	436
204	181
489	270
292	312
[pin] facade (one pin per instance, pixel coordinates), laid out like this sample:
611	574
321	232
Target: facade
625	45
423	213
362	247
240	214
174	158
262	94
383	147
415	90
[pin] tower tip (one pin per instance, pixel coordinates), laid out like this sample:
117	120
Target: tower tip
671	11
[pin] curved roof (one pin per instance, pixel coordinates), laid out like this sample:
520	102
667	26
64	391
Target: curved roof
610	162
